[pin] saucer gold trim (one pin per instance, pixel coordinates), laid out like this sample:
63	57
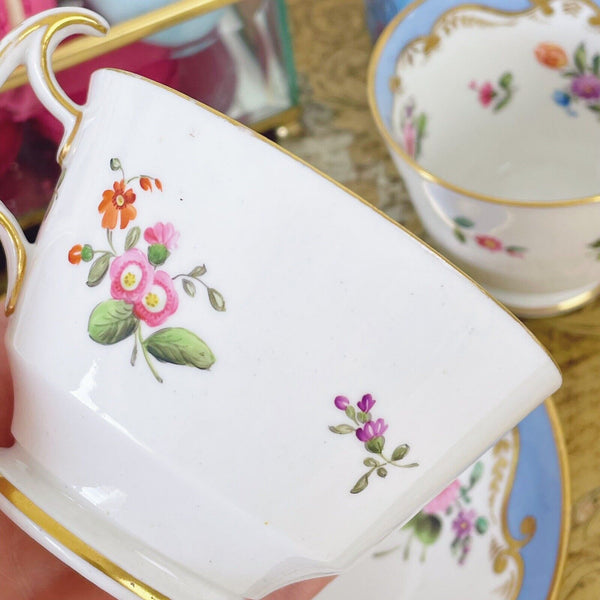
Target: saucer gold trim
545	7
62	535
565	476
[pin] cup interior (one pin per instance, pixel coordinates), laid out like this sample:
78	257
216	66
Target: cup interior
502	103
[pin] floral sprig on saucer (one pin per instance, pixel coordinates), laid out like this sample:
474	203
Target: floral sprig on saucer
370	433
142	294
584	76
498	96
450	508
462	227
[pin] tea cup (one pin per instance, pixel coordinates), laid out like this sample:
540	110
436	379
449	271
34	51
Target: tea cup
230	373
500	150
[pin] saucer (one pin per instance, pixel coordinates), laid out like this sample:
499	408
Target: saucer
499	531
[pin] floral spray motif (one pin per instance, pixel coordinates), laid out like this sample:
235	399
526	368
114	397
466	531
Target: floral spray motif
450	507
414	128
370	433
584	76
141	293
462	227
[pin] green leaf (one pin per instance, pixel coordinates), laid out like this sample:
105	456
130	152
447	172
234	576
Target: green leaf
375	445
133	236
464	222
350	412
370	462
179	346
382	472
596	64
595	244
341	429
360	485
362	417
197	271
98	270
517	249
580	58
216	300
427	528
506	80
570	73
115	164
476	473
112	321
503	102
400	452
481	525
594	107
421	125
459	235
189	288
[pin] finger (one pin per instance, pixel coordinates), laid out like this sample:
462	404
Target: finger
304	590
6	389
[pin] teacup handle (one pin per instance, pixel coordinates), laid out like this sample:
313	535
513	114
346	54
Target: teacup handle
32	44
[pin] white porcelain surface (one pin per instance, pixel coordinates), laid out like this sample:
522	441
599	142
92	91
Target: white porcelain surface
499	149
227	482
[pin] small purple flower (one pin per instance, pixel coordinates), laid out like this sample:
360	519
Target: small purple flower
371	429
463	524
341	402
586	86
367	403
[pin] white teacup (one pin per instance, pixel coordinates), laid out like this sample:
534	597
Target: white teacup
199	338
500	150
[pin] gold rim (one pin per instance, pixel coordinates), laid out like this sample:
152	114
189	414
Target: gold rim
565	532
541	5
561	308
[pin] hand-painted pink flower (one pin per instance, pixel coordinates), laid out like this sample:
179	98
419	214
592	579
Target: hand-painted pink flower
463	524
159	301
586	86
491	243
486	93
341	402
131	275
367	403
162	233
444	500
371	429
410	139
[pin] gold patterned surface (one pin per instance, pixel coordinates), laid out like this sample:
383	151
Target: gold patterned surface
332	53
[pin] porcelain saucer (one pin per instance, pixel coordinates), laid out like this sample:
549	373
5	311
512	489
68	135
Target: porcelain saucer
500	530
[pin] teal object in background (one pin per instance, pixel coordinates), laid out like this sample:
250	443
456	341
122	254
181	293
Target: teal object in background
381	12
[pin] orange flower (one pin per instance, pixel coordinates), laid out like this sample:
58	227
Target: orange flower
158	184
145	184
75	254
117	202
551	55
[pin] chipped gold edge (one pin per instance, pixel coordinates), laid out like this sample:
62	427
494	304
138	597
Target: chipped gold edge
541	5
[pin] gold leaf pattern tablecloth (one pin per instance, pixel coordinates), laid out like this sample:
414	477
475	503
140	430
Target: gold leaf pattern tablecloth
332	48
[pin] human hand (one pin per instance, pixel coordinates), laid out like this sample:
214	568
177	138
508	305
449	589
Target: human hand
29	572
